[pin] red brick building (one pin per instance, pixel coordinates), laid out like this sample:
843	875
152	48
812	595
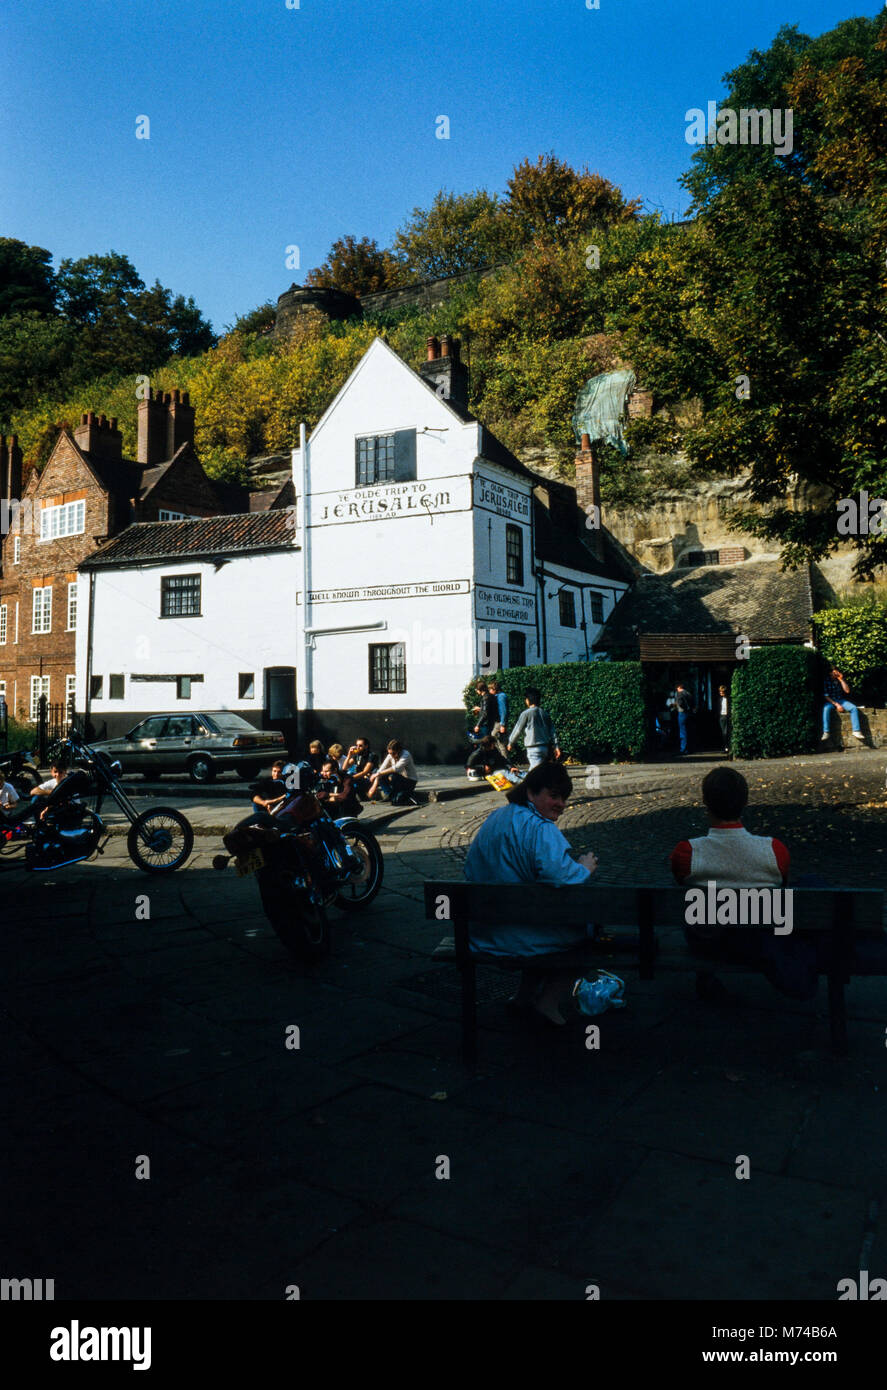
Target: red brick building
87	493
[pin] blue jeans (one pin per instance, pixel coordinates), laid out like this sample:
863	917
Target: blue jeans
538	753
848	708
683	730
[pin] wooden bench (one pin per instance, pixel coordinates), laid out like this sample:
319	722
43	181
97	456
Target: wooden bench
842	912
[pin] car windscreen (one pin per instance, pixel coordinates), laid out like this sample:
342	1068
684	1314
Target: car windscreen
225	722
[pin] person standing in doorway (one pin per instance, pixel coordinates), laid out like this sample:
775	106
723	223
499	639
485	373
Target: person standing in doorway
724	716
684	702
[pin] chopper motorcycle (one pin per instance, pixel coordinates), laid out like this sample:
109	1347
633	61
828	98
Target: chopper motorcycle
159	840
21	771
304	862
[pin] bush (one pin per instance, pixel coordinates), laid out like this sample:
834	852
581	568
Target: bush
854	637
19	736
598	708
774	702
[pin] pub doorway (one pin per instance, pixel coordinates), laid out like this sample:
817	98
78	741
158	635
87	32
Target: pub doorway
703	680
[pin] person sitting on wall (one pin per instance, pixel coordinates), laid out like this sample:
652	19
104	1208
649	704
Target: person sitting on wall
361	762
834	688
396	778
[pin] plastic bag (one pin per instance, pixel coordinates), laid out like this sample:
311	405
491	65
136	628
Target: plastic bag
596	996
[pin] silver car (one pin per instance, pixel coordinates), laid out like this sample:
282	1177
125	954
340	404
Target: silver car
199	744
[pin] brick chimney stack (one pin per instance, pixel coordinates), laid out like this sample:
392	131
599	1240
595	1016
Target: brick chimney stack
166	422
445	372
588	492
10	469
100	437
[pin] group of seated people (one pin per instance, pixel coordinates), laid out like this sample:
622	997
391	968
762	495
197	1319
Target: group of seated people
13	810
347	777
520	843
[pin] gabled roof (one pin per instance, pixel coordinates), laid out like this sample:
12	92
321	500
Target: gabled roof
157	541
756	597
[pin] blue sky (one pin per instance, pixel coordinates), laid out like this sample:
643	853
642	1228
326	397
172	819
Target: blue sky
273	127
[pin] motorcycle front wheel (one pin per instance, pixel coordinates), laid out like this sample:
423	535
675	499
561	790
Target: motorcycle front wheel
363	885
160	840
300	924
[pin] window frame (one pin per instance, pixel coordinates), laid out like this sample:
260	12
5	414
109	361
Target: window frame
70	516
4	623
517	638
70	688
117	676
169	584
563	596
514	554
35	699
16	550
45	608
596	600
96	686
72	603
394	669
248	678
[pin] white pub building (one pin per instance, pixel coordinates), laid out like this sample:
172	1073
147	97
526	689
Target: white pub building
420	553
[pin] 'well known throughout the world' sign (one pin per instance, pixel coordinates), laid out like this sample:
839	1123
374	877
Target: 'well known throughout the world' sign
434	588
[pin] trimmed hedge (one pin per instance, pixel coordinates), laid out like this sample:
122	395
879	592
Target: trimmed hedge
774	702
598	707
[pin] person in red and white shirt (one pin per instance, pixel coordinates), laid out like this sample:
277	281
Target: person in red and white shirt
732	857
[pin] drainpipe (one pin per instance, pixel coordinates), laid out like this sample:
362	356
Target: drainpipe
87	702
308	693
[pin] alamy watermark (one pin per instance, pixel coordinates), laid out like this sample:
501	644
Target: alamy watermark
739	907
747	126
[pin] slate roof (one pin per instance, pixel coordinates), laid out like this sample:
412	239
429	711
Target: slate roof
559	546
208	537
755	597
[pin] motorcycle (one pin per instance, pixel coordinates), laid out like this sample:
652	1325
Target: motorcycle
159	840
21	771
304	862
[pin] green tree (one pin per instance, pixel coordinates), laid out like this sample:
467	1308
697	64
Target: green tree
459	232
33	351
357	267
27	282
551	200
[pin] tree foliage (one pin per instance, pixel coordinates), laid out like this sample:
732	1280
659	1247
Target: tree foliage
459	232
357	267
27	283
550	199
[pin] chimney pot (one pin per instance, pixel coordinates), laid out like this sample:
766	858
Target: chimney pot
103	421
586	443
445	345
175	393
113	422
186	398
433	347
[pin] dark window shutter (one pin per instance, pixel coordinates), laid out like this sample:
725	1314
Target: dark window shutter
405	456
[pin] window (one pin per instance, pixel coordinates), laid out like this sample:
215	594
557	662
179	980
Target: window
180	726
39	686
246	686
72	607
172	516
70	690
16	549
42	610
2	692
150	728
568	608
385	458
388	668
183	687
701	557
115	687
514	555
517	649
180	596
597	608
67	520
95	687
3	612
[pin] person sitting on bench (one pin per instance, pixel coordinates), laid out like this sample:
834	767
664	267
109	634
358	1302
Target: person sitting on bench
520	843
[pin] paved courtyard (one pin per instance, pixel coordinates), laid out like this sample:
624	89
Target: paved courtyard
159	1047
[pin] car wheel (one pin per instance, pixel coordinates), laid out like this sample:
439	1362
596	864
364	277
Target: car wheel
201	770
